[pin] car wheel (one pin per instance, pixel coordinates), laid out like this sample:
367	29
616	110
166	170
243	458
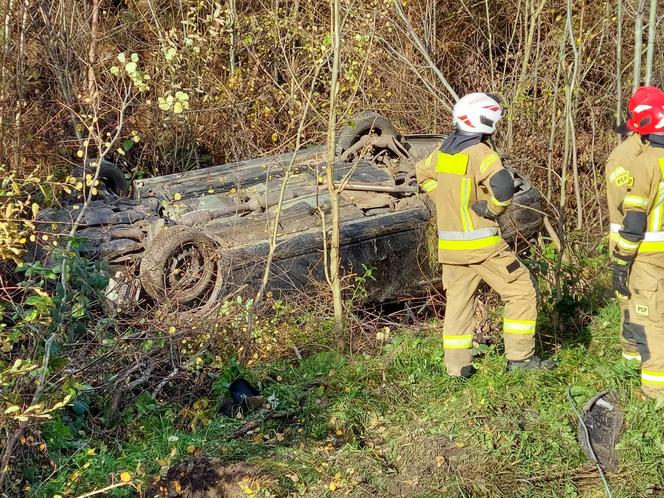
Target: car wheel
360	125
110	174
181	265
523	218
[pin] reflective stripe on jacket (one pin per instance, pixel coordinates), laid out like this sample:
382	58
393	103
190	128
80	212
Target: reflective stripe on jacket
455	182
635	190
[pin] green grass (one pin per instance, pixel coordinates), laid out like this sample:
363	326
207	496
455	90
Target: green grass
394	424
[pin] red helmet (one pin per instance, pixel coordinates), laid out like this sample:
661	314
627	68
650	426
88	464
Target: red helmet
648	116
641	94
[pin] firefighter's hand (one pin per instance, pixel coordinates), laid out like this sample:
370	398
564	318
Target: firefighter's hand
482	208
620	279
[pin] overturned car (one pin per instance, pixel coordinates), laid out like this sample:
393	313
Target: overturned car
192	238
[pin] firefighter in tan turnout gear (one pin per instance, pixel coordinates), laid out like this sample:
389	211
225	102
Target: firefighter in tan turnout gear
636	191
617	178
471	188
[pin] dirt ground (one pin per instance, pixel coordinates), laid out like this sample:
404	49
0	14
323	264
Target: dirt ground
202	477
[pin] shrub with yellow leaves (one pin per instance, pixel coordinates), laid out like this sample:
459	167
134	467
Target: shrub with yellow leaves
21	200
18	212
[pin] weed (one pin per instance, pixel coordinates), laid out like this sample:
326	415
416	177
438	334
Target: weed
393	424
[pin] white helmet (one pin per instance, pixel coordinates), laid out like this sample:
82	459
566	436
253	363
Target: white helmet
477	113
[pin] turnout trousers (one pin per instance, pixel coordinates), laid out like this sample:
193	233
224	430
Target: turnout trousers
506	275
646	316
630	348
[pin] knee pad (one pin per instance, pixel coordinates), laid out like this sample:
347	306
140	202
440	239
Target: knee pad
638	333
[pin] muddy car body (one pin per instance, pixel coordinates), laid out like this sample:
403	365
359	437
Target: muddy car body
198	236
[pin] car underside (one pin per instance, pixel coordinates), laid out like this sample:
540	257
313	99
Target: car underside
193	238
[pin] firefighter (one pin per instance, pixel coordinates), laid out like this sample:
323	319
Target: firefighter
470	188
616	178
637	192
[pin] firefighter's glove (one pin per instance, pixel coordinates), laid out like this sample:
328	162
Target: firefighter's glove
621	269
482	208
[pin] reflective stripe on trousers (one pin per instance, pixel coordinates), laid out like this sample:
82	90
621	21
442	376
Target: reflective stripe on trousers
631	356
458	341
652	377
519	327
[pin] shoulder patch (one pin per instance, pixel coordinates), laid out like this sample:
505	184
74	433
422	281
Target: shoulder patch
621	177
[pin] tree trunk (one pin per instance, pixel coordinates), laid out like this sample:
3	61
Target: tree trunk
652	24
570	107
334	259
638	43
4	80
20	66
92	53
232	7
619	36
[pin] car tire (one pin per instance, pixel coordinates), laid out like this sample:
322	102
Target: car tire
524	212
362	124
110	174
181	265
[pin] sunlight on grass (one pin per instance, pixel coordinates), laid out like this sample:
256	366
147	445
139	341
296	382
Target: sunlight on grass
394	424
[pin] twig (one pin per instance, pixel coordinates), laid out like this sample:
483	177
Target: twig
490	49
14	438
143	378
277	216
250	426
3	74
570	117
104	490
554	119
86	201
432	90
161	385
552	233
282	191
20	83
520	86
422	49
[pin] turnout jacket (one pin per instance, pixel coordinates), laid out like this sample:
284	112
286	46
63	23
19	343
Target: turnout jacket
635	193
455	182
